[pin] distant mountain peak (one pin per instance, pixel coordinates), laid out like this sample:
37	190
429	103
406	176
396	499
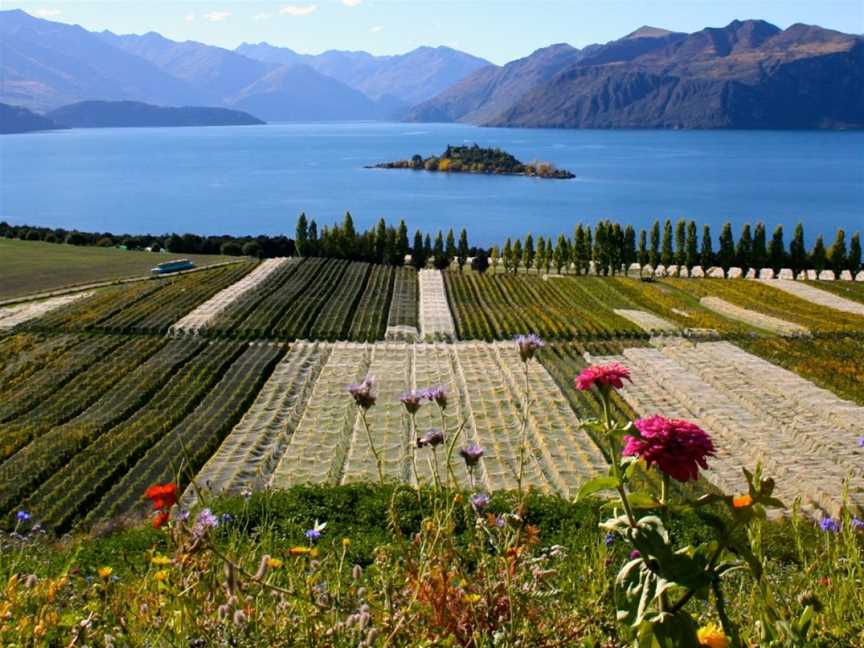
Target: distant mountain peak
647	31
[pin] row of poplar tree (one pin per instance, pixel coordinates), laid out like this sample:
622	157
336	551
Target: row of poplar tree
383	243
610	246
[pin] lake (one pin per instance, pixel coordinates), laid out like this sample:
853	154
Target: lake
256	180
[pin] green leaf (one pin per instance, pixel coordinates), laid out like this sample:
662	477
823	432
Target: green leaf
642	500
596	485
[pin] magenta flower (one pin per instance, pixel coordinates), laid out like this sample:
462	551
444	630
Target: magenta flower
471	454
604	376
412	400
432	438
436	394
362	392
676	447
528	345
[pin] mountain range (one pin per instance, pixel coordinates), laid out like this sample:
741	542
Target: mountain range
45	65
748	74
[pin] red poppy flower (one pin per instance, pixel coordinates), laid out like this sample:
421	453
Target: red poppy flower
160	519
164	496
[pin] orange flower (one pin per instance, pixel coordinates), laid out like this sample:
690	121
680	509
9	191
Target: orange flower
742	501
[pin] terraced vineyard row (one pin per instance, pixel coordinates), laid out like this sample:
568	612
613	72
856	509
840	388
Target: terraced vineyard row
146	307
497	307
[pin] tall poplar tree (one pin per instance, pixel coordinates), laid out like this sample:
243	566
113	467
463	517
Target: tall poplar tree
463	250
855	253
528	252
837	252
667	256
797	251
818	256
517	255
301	237
418	253
681	242
706	251
654	255
759	256
777	250
643	247
726	253
691	257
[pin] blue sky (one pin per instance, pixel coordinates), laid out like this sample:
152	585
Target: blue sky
499	30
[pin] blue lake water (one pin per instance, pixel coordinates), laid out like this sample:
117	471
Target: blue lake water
251	180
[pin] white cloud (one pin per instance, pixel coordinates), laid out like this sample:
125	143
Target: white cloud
376	29
217	16
47	13
190	17
298	10
262	16
352	3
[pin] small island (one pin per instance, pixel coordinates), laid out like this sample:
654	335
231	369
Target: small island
473	159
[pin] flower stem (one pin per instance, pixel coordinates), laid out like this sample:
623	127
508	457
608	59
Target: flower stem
378	462
523	435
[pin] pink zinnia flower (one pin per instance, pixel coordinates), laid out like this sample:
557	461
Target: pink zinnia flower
608	375
675	446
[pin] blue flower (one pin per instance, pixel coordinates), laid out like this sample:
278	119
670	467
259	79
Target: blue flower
22	516
858	524
829	525
226	518
609	539
315	532
861	442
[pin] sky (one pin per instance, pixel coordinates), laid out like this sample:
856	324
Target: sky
498	30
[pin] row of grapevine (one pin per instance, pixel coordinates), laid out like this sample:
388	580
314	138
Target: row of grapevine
22	354
202	316
831	362
391	365
158	312
26	469
52	377
319	445
180	452
402	317
297	321
835	299
265	301
754	318
369	322
768	300
12	316
332	322
248	456
150	306
76	395
490	307
79	484
436	321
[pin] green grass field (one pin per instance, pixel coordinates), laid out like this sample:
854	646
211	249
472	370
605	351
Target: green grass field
33	266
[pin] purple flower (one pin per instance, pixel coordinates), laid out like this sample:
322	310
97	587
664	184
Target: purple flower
362	392
226	518
412	400
500	522
204	522
858	524
528	345
635	554
471	454
22	516
437	394
829	525
861	442
480	502
315	532
609	539
432	438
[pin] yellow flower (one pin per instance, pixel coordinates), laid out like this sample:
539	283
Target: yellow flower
105	572
346	542
742	501
161	575
471	598
712	636
274	563
299	551
160	560
313	552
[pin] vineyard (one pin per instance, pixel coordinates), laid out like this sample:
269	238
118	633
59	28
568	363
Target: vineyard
235	377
